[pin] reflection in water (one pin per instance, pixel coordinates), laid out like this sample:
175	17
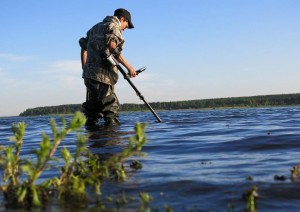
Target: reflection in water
106	141
101	136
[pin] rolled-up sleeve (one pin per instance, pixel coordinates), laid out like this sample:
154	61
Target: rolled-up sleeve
114	34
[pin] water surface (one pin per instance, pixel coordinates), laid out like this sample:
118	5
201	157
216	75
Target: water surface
198	160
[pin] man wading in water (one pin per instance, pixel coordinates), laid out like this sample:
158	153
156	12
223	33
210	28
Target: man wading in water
99	75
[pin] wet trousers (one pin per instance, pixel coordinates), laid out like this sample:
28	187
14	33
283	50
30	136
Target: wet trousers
101	101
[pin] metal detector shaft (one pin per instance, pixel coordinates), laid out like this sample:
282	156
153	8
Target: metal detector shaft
138	92
126	76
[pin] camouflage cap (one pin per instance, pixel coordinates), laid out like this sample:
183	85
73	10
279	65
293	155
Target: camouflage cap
124	13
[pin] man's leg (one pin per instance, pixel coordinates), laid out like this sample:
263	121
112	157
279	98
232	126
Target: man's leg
111	107
92	108
101	102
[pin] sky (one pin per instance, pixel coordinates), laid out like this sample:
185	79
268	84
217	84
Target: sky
193	49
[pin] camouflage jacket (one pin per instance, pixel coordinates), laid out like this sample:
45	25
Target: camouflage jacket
98	38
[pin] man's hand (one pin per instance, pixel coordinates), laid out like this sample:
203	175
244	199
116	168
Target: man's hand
132	72
130	69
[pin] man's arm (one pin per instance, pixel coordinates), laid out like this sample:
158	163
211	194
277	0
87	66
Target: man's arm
112	46
83	53
123	61
83	57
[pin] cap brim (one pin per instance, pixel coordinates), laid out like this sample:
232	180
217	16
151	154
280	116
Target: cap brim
130	25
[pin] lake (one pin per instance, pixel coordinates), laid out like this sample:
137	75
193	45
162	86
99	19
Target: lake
197	160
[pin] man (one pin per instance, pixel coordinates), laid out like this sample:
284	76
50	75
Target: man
99	74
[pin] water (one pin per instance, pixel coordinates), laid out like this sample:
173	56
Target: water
198	159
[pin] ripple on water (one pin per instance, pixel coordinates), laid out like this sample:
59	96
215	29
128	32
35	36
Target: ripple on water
198	159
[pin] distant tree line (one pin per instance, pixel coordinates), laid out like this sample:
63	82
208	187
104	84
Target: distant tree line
253	101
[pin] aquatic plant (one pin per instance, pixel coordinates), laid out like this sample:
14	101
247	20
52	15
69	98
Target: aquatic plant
136	165
80	169
295	172
9	159
251	196
145	199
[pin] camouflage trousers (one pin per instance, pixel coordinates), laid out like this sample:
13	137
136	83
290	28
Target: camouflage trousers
101	101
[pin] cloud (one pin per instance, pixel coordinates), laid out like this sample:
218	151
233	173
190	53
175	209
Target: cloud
67	66
66	72
14	57
5	79
62	67
13	67
28	81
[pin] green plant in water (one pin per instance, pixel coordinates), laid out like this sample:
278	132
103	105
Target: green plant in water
145	199
251	196
76	175
80	169
136	165
168	208
26	193
10	159
295	172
